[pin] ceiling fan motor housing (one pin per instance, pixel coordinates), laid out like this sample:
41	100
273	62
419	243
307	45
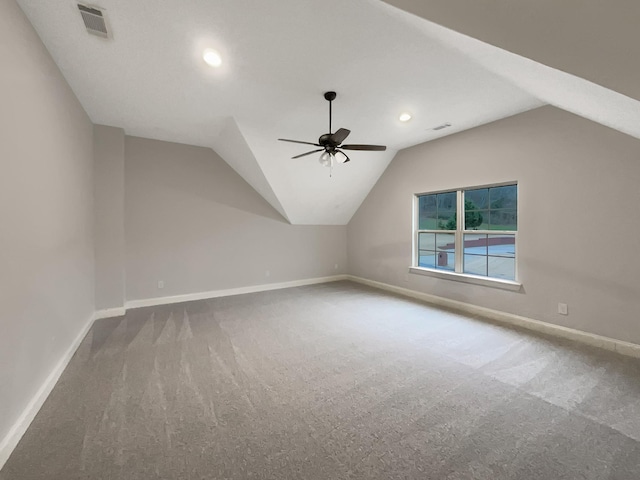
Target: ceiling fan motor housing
325	141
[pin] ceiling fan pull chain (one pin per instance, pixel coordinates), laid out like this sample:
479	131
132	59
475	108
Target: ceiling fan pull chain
330	112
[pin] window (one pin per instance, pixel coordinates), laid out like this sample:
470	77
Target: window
471	231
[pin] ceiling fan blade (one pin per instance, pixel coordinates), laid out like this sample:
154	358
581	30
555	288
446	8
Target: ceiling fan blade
298	141
339	136
308	153
373	148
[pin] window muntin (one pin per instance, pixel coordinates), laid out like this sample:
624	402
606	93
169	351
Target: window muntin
482	243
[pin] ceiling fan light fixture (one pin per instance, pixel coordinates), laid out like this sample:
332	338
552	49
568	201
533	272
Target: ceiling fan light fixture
404	117
326	159
341	157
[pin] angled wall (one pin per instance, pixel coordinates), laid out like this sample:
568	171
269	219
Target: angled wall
193	223
577	226
46	219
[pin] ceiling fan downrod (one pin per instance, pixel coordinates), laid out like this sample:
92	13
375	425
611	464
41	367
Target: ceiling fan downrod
330	97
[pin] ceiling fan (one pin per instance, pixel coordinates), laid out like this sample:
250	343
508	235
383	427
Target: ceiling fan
331	143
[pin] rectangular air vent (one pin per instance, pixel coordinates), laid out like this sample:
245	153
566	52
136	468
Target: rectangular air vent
440	127
94	20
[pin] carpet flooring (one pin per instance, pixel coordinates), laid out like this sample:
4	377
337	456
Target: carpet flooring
332	381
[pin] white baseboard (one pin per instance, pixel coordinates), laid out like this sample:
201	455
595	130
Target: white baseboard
151	302
20	426
612	344
109	313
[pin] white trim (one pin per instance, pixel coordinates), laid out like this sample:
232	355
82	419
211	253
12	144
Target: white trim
607	343
109	313
20	426
467	278
459	236
150	302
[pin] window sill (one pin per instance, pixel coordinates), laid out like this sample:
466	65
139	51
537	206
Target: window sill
467	278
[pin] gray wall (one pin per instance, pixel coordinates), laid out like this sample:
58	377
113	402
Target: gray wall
578	236
193	222
46	215
108	148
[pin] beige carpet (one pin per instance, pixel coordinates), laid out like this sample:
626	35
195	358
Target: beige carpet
332	381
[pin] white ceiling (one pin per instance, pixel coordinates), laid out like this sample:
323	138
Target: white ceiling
279	57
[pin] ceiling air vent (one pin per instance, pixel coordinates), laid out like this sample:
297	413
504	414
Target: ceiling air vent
440	127
94	20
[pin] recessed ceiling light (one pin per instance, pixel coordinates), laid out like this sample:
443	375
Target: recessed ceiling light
404	117
212	57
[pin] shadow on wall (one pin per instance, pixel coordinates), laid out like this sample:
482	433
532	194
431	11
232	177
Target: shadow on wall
185	170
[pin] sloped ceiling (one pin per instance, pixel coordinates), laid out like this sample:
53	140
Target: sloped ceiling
592	39
279	57
553	86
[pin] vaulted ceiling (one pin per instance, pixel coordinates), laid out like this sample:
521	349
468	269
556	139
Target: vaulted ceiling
279	58
592	39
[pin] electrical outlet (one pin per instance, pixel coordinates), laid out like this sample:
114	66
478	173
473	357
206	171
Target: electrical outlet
563	309
160	283
335	266
267	273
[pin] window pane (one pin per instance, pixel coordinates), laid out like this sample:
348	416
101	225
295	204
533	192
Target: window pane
475	264
445	246
504	219
502	267
476	219
428	218
503	197
475	254
502	245
426	250
445	241
476	199
427	241
447	204
475	244
427	259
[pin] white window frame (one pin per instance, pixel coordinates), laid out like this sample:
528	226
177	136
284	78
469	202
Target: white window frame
459	233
